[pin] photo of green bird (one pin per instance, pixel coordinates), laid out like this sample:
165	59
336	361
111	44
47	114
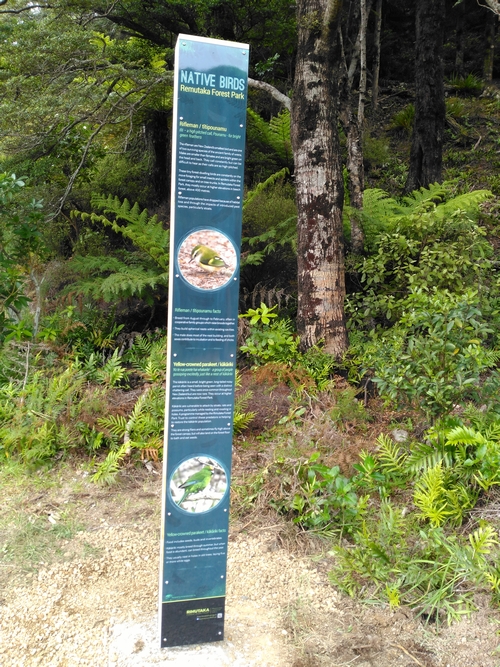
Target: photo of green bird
207	259
197	482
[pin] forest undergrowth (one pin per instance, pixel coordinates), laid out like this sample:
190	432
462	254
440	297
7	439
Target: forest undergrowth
389	456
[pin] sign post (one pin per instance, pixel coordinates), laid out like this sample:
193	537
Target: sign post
208	151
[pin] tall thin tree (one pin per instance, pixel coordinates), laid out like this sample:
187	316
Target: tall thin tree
426	155
318	177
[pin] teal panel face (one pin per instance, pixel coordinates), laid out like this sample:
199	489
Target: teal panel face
207	196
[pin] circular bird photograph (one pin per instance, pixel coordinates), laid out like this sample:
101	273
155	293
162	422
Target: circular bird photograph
198	484
207	259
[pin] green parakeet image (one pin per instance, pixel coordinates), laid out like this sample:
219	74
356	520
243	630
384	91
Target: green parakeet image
196	482
207	259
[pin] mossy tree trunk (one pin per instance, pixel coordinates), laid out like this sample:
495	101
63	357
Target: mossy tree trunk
318	176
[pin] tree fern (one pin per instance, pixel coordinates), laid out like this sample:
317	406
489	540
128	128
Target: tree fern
275	134
284	233
382	213
136	273
148	234
274	178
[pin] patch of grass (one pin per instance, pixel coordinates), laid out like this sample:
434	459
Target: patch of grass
35	524
470	85
402	121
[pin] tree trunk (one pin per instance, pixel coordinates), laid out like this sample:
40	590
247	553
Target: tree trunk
362	64
355	166
318	177
376	57
426	155
489	57
459	39
158	132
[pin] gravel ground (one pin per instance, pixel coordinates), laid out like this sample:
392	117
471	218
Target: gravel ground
97	607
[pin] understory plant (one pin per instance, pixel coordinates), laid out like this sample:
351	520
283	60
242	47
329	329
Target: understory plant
397	517
138	271
423	319
272	341
437	356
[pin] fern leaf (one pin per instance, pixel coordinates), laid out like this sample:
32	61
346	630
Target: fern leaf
483	539
115	424
266	184
465	435
391	458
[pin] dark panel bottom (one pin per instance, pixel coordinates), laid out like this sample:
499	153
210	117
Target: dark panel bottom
192	622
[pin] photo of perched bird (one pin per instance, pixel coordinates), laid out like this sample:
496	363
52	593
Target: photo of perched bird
197	482
207	259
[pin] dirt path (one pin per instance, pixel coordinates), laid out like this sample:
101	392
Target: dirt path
96	605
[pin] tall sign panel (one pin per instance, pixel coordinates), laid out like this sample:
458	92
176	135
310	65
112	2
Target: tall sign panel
207	193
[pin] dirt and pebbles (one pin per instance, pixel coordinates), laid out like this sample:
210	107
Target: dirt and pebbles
95	604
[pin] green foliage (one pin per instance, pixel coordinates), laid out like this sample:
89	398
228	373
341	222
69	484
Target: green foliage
424	218
275	134
86	331
262	314
137	273
427	570
270	148
272	342
402	121
469	454
469	85
241	418
325	500
397	517
435	356
36	418
427	265
347	407
19	240
148	356
440	502
375	151
141	431
270	214
112	373
390	552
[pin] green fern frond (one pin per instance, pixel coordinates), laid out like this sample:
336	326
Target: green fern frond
115	424
107	470
425	456
468	202
430	497
284	233
275	134
279	175
483	540
382	213
426	198
465	435
140	273
392	459
279	135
